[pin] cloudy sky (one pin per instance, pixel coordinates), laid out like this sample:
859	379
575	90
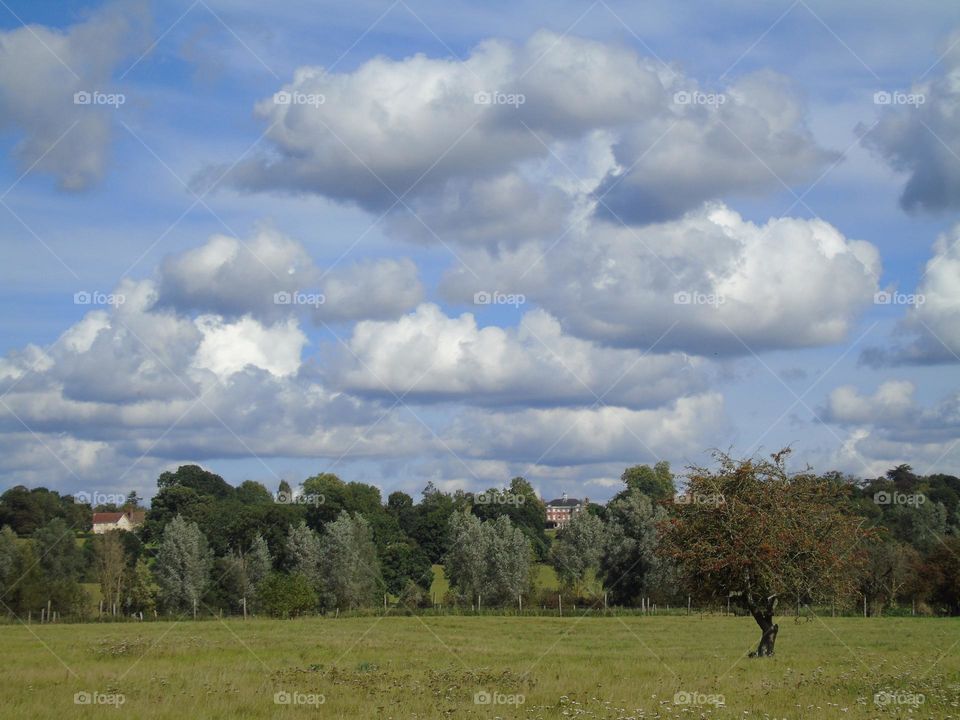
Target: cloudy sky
457	242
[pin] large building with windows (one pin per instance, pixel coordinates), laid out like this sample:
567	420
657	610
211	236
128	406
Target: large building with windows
561	510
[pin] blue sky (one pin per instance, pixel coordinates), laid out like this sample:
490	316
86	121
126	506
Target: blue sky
787	191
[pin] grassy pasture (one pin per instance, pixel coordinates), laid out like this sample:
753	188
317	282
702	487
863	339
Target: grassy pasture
433	667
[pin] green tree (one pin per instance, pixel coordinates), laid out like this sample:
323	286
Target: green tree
143	589
491	560
283	595
182	566
303	555
655	482
576	552
349	564
628	561
753	532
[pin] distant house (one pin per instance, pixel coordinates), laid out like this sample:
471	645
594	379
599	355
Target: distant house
126	520
561	510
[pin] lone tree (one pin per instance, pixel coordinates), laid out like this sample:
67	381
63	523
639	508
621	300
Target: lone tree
752	532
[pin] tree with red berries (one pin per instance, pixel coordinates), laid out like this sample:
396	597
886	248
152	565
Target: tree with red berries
752	532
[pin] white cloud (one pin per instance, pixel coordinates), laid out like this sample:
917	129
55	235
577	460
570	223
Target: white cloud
787	284
915	132
893	400
398	129
271	276
929	332
40	70
429	356
227	348
578	436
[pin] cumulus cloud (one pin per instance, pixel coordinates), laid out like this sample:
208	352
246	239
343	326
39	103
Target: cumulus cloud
393	130
915	134
271	276
929	333
748	138
428	356
577	436
140	380
42	68
888	427
893	400
710	282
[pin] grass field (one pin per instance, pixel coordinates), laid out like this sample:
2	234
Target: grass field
433	667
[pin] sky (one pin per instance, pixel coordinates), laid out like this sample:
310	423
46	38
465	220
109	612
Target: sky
455	242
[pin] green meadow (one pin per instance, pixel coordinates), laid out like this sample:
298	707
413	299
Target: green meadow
483	667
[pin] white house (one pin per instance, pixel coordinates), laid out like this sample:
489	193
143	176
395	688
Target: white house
127	520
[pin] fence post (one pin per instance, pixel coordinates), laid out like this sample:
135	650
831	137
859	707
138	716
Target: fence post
864	604
688	604
520	602
194	608
560	604
244	608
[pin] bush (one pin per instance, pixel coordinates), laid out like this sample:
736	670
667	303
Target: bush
284	596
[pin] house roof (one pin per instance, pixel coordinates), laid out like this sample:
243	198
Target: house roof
134	516
564	502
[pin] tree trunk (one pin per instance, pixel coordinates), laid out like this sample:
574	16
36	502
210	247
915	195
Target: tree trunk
768	637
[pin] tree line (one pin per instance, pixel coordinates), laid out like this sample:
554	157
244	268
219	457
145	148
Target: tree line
741	531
